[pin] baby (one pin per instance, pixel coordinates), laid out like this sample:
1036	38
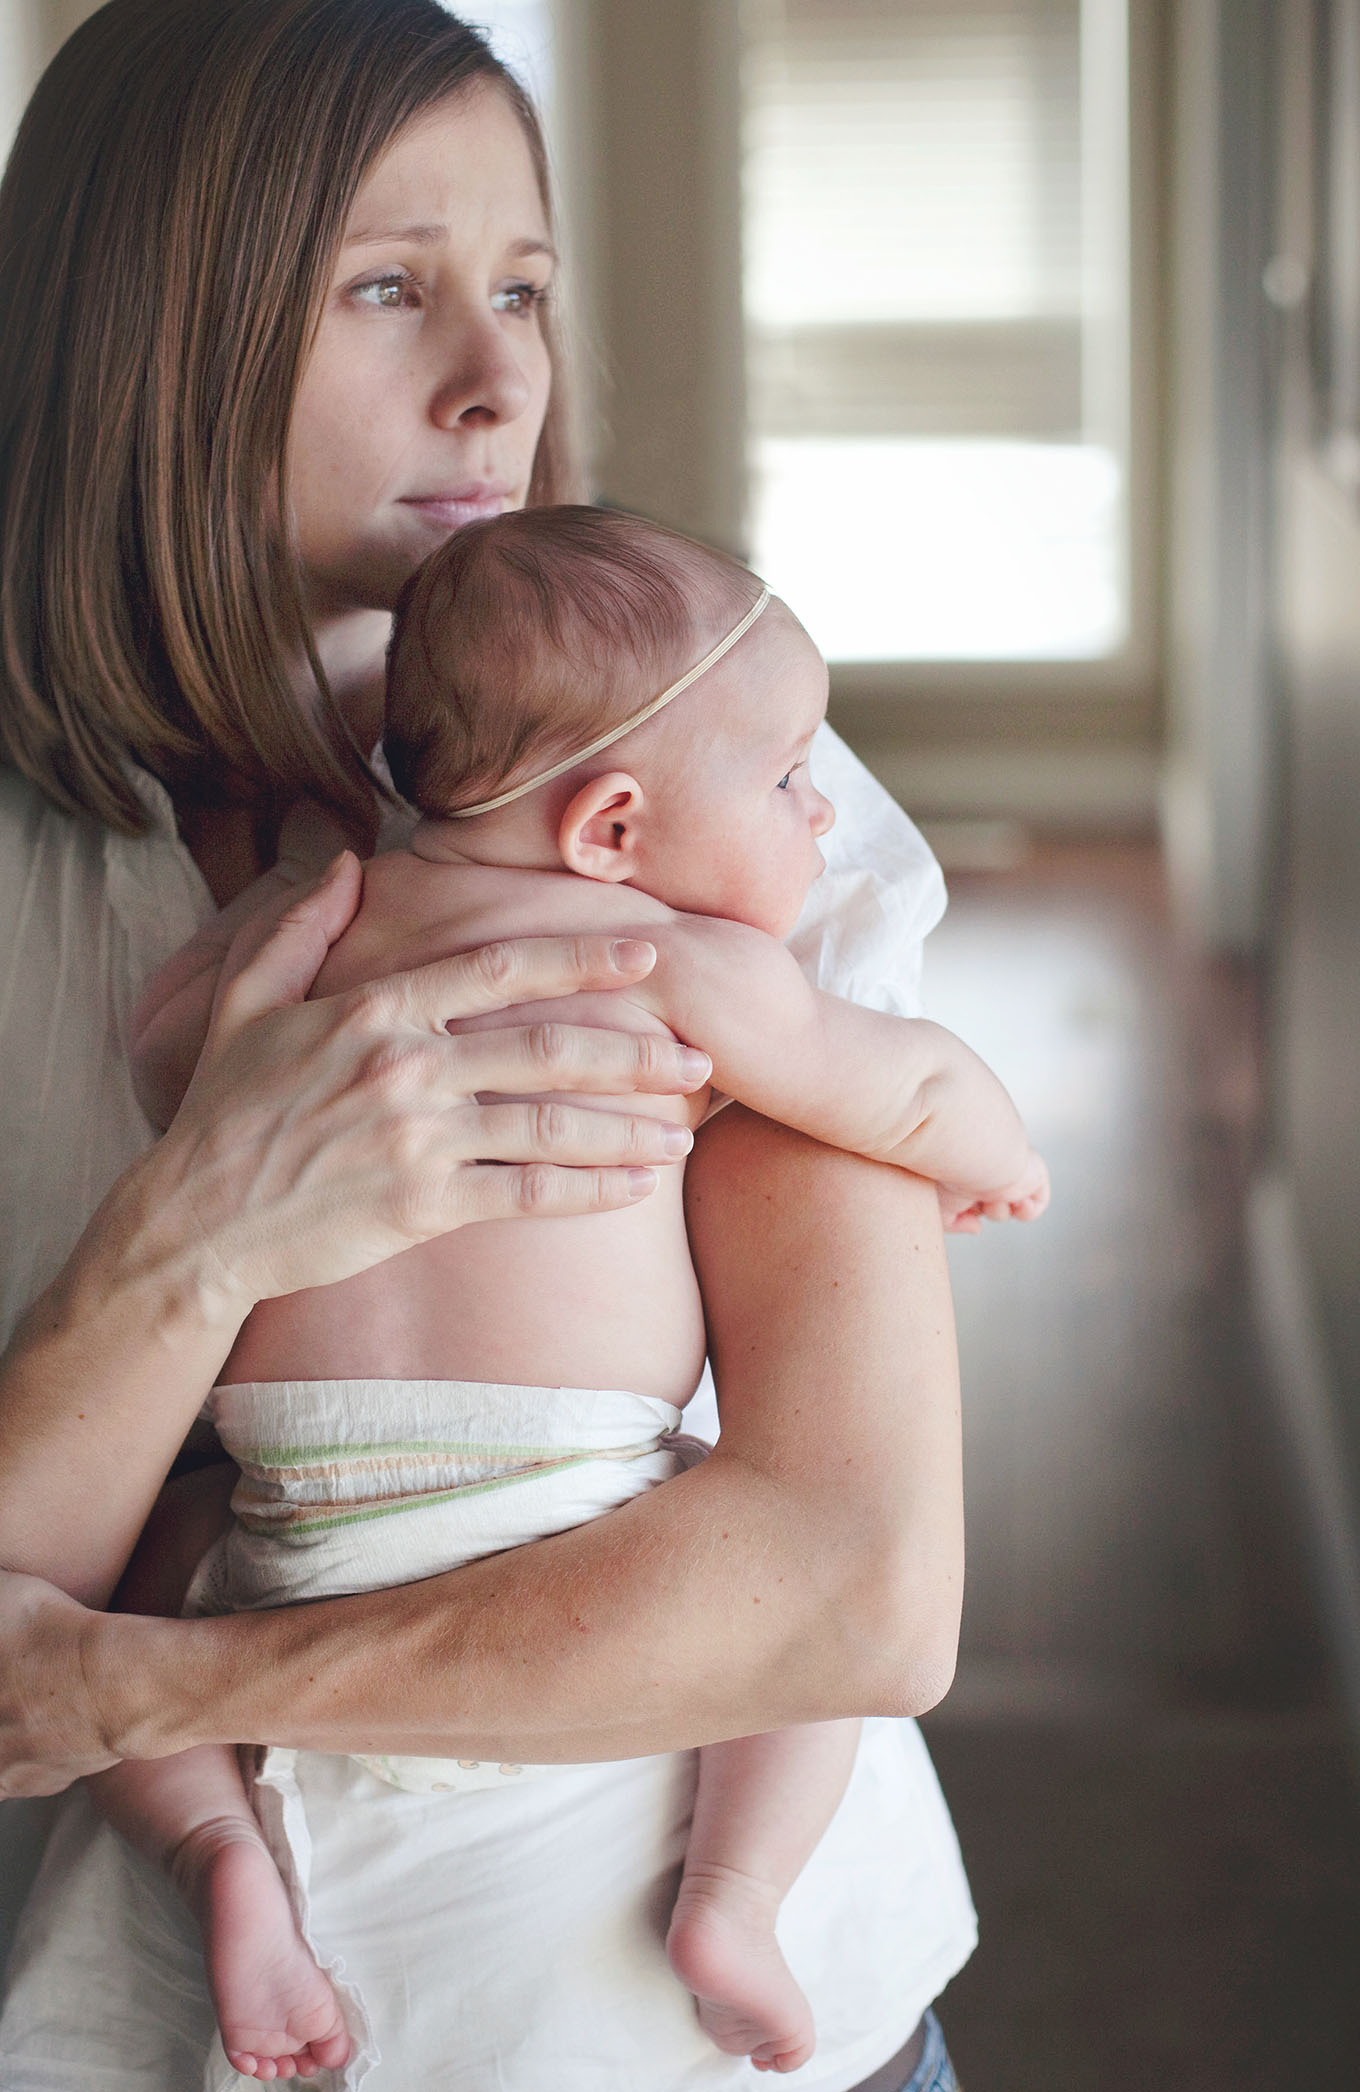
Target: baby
603	726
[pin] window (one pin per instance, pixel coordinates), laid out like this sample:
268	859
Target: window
936	294
520	32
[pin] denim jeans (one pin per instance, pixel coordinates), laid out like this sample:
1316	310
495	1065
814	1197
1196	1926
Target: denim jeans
934	2072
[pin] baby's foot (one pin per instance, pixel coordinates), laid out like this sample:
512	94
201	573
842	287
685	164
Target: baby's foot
277	2013
722	1946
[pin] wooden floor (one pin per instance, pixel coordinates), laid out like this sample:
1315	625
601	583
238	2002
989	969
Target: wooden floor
1150	1783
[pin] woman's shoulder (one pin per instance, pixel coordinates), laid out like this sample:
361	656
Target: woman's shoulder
44	855
87	914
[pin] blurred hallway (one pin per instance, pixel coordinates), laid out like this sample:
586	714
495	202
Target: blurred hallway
1146	1770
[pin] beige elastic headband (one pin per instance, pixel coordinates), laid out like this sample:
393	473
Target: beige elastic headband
616	733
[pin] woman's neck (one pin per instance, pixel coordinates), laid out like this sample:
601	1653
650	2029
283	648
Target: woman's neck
352	648
226	843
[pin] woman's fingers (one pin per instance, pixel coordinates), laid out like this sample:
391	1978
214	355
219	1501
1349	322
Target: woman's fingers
540	1191
318	1137
575	1136
533	1057
513	970
283	967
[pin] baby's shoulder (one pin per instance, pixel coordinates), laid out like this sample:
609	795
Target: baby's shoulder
414	911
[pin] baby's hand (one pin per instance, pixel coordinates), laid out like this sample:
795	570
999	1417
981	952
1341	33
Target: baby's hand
963	1212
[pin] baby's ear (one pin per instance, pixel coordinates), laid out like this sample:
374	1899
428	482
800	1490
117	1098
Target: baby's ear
598	833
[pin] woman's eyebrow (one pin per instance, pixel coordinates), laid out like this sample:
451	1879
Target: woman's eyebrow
433	234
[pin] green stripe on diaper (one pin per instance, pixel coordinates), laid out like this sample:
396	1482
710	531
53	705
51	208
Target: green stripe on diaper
284	1531
295	1455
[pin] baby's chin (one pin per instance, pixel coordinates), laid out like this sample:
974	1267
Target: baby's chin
778	923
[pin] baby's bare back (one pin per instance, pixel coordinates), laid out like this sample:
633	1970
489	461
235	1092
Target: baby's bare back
604	1301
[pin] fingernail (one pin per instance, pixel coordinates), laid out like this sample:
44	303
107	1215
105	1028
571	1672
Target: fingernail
630	954
695	1066
677	1140
640	1182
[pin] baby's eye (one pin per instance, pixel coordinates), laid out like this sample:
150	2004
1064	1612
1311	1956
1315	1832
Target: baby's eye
519	298
394	291
783	783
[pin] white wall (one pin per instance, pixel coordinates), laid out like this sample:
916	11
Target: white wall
1219	803
30	31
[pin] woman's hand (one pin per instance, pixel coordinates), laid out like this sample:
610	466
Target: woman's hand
318	1138
49	1733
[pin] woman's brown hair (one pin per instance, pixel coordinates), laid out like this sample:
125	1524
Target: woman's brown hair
168	222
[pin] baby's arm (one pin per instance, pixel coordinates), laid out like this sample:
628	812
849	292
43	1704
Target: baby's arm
894	1089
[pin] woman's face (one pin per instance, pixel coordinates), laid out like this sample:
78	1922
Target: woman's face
422	402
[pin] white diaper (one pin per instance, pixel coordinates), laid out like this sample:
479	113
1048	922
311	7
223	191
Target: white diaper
356	1485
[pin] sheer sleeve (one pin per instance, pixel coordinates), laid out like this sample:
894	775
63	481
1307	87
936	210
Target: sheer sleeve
85	918
866	920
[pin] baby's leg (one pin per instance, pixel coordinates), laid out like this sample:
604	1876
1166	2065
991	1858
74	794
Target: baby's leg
762	1805
189	1814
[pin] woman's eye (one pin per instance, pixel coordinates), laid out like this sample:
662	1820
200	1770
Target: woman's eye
395	292
521	298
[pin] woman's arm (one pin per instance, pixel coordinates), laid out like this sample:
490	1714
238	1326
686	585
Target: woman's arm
316	1139
811	1568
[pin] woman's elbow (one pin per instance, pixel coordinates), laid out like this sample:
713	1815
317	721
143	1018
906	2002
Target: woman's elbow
921	1677
905	1625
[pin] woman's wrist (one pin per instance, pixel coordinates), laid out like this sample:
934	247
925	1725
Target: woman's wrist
146	1259
147	1684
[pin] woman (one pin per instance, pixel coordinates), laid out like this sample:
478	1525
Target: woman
275	322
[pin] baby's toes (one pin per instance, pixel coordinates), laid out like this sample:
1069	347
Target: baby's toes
329	2053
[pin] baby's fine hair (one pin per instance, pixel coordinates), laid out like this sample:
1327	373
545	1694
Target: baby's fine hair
528	634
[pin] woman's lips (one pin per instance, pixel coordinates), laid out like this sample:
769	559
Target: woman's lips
450	508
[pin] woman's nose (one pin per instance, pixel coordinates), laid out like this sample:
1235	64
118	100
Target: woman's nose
823	814
482	379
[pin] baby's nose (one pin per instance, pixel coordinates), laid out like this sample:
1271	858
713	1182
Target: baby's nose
823	814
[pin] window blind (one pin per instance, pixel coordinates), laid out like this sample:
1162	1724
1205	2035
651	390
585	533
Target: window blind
913	222
935	284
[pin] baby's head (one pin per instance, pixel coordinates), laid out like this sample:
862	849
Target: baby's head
526	638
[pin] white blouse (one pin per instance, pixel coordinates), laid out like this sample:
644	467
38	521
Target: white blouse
86	916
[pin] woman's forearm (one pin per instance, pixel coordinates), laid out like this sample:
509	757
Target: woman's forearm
98	1389
811	1568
